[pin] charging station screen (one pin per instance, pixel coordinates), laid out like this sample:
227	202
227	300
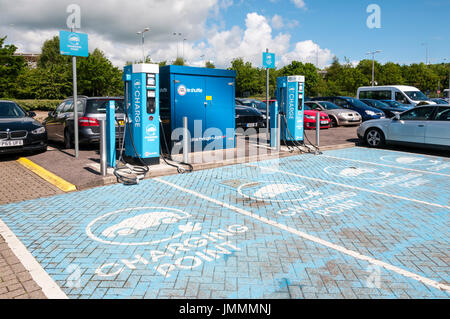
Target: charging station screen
300	102
151	80
151	99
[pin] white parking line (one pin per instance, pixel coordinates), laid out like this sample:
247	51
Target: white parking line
39	275
317	240
350	186
386	165
401	152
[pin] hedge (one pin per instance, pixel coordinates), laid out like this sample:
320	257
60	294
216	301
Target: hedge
38	105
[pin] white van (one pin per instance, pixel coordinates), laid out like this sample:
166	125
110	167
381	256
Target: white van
400	93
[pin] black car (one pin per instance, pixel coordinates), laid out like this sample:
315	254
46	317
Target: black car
387	109
19	132
249	117
60	123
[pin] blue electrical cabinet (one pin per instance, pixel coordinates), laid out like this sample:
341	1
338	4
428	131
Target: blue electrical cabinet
290	97
207	98
142	99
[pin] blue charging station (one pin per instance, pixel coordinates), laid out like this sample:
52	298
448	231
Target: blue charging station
111	134
290	97
206	97
142	108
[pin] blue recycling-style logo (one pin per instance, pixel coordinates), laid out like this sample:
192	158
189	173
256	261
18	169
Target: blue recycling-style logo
74	39
141	226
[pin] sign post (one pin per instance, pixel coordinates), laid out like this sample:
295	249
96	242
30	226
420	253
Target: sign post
268	63
74	44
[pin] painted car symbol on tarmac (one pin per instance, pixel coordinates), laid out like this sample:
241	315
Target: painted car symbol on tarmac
276	192
357	172
410	160
141	222
118	228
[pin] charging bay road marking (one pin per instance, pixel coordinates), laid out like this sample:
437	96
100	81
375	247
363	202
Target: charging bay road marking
410	160
262	243
360	172
317	240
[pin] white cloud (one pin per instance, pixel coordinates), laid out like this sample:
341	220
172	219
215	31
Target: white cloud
308	52
113	28
299	3
277	22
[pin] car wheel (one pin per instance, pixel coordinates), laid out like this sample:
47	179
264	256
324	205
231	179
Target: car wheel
374	138
334	122
67	140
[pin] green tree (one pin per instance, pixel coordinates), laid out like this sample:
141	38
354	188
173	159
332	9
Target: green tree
11	67
312	78
179	61
209	65
248	80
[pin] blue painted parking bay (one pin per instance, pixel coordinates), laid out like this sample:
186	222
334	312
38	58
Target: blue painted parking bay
349	223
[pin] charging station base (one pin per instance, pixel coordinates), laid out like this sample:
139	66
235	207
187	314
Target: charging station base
147	161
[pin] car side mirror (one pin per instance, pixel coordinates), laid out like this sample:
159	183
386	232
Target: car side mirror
51	113
31	114
396	117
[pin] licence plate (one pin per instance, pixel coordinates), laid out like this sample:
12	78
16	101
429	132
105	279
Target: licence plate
252	124
11	143
324	122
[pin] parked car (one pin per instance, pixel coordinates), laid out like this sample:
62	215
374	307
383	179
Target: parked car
440	101
393	103
423	126
400	93
249	117
337	115
19	132
388	110
309	119
349	103
260	106
60	123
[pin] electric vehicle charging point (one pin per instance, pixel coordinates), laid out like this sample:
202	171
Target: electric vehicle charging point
142	111
290	96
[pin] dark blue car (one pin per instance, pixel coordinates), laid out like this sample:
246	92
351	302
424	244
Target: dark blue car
367	112
387	109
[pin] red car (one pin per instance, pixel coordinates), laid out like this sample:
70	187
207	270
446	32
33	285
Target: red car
310	119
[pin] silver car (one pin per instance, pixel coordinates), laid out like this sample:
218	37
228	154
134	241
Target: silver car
424	126
338	116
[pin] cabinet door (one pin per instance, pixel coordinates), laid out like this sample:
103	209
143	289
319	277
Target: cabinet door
220	110
189	97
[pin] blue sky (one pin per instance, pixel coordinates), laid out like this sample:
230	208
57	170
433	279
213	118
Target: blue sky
221	30
341	26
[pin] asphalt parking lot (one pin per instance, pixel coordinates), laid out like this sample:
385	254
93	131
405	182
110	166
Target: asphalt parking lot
351	223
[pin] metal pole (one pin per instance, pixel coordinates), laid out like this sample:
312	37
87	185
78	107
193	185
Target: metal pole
278	132
186	140
267	105
318	128
143	49
373	69
75	106
103	159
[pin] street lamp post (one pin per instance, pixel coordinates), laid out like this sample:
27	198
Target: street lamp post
142	34
178	42
373	64
426	47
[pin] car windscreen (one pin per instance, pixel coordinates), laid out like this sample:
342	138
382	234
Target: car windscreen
393	103
100	105
356	102
329	106
416	96
10	110
378	104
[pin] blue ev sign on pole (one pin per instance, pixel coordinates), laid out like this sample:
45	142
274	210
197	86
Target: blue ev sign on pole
74	44
268	63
